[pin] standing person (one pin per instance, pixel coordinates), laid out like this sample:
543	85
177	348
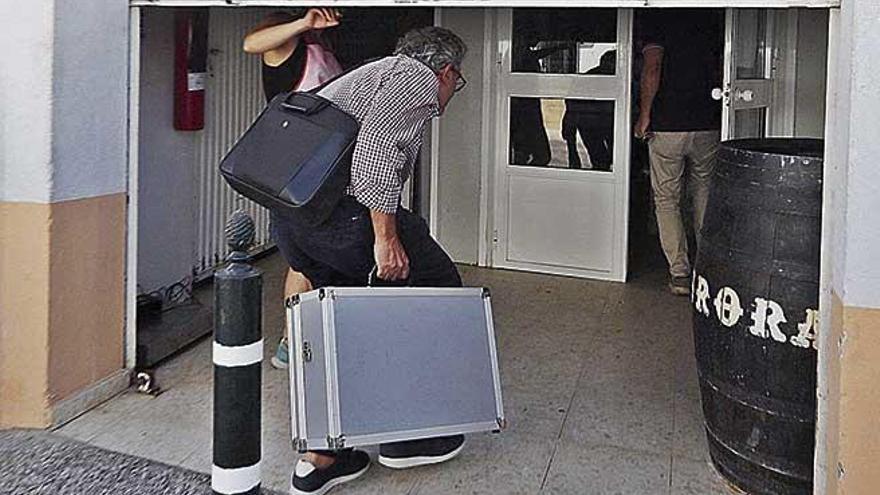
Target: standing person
594	120
392	99
682	61
294	57
529	143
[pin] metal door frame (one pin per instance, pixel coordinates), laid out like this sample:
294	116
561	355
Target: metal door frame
762	89
616	89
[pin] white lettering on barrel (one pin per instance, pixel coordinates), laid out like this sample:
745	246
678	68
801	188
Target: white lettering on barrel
766	319
807	331
727	307
701	297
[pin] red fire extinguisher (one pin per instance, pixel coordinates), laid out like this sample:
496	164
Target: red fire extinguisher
190	68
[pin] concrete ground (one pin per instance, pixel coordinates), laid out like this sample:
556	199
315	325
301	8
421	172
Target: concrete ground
599	381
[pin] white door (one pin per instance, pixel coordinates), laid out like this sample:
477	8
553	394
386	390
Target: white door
748	73
562	161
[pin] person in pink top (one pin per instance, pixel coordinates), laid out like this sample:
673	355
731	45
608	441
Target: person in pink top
295	57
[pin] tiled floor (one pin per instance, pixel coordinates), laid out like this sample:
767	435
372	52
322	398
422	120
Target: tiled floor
599	384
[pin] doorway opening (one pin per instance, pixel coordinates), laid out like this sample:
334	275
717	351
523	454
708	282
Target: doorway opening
694	74
770	83
183	203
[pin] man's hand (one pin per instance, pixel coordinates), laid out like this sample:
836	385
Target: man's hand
391	258
322	18
642	126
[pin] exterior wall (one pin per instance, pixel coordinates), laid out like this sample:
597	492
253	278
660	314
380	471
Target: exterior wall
86	270
24	315
26	100
63	142
90	99
461	146
848	436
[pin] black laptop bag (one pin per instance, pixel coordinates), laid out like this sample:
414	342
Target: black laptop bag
296	156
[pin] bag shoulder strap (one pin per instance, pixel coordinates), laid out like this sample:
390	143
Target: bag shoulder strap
326	83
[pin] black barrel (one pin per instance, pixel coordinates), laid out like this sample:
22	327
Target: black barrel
755	297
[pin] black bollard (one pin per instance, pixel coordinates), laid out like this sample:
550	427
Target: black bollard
238	356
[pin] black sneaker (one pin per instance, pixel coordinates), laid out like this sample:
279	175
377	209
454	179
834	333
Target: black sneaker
402	455
309	480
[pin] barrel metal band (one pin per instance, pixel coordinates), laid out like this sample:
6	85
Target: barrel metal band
241	355
235	480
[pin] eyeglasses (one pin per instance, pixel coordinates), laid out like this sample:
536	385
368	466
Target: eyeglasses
460	82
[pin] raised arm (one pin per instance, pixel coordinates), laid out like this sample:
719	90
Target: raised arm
267	39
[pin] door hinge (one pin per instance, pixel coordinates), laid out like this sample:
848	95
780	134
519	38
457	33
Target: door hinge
495	236
307	352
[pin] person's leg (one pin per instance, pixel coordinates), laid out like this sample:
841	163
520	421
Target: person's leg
703	153
294	283
345	246
667	169
315	471
569	134
340	249
430	266
598	145
340	252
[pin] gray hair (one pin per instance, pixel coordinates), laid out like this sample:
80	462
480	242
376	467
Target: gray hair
433	46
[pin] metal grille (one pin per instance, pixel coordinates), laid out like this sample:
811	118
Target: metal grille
233	99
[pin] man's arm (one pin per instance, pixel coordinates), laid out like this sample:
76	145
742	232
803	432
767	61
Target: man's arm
391	259
650	84
396	119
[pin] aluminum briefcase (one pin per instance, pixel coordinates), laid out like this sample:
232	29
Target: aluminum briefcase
370	365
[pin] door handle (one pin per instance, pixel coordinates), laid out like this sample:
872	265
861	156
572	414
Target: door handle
719	94
746	95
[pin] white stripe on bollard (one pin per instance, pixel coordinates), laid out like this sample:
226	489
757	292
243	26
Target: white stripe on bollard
238	480
242	355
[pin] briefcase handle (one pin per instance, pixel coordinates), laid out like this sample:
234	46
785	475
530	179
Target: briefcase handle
306	103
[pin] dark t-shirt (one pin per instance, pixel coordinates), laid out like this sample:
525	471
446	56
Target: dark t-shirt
692	41
286	76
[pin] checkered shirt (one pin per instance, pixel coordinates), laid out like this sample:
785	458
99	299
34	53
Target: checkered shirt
392	99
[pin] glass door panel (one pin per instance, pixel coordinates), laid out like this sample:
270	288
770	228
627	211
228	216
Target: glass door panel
561	170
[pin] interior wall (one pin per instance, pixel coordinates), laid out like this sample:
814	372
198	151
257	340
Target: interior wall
812	56
461	145
166	210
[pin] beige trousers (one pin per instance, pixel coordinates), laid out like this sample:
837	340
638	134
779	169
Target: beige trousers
673	153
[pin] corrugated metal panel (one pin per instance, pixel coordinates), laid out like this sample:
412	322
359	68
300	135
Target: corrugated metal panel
233	98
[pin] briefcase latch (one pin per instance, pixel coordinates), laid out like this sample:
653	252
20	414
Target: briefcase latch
307	352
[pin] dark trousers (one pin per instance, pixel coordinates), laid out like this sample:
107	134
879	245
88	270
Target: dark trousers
597	133
339	252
